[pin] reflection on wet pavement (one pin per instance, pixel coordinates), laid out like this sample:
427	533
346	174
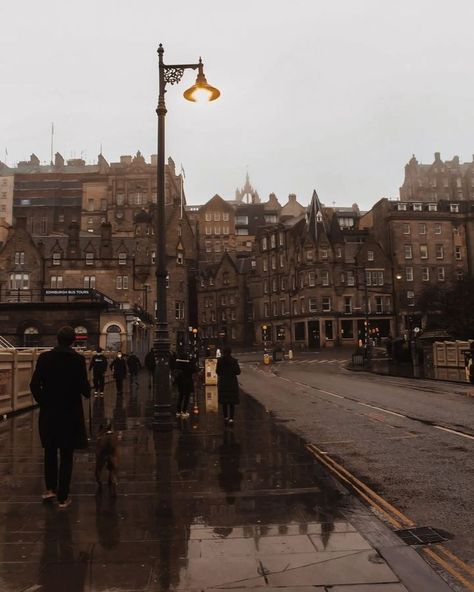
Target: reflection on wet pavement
198	508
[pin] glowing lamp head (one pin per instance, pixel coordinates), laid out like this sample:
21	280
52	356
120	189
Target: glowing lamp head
201	91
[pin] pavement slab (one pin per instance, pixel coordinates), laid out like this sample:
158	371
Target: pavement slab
201	507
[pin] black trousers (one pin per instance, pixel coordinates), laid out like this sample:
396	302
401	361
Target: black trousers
58	480
183	401
119	383
99	382
228	410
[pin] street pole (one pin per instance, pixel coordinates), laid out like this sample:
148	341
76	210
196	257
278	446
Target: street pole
172	74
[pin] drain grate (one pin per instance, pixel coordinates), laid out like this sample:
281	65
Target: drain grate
425	535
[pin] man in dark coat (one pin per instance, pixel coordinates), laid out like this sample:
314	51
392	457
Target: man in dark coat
227	370
98	366
59	380
134	365
185	368
119	370
150	365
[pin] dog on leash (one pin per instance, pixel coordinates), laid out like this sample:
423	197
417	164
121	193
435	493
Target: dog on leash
106	455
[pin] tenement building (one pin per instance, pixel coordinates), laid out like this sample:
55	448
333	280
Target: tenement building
95	243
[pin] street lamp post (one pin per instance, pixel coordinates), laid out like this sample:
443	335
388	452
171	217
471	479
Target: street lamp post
201	90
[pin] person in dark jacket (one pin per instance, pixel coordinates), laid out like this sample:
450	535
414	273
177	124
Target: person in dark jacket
119	371
184	371
227	370
134	365
57	384
150	365
98	366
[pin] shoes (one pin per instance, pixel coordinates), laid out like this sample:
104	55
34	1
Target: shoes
65	504
231	421
48	495
96	394
101	395
178	413
185	415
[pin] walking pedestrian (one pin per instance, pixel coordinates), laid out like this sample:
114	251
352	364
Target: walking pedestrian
119	370
98	366
134	365
58	382
150	365
184	372
227	370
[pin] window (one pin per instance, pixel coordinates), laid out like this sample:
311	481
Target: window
271	219
274	285
208	246
217	216
402	207
417	207
225	230
120	199
217	230
325	278
208	230
266	309
217	247
19	281
61	218
374	278
281	239
347	304
89	281
411	298
408	274
312	305
31	337
439	249
208	216
273	261
324	253
441	274
309	255
274	309
179	309
272	241
454	207
264	243
350	278
432	207
459	274
122	282
370	255
242	231
422	228
265	286
457	253
284	283
406	228
425	274
378	304
56	281
225	216
423	251
338	252
180	258
122	258
241	220
326	304
90	205
295	307
302	305
282	260
103	205
89	258
437	228
19	257
282	307
311	278
223	300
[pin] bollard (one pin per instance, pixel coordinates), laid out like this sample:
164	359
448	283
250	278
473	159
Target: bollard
266	359
290	354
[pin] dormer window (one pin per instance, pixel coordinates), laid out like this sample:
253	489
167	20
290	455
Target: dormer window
370	255
122	258
402	207
454	207
19	257
180	258
417	207
89	258
56	258
432	207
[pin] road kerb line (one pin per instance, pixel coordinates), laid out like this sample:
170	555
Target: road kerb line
445	565
464	566
377	499
468	436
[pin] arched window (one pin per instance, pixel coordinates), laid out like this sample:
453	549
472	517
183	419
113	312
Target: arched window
113	339
31	337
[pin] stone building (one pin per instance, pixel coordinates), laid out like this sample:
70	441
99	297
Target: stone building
447	180
315	283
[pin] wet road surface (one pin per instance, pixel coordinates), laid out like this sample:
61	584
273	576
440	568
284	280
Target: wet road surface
198	508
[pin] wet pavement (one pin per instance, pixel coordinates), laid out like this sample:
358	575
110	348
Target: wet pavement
198	508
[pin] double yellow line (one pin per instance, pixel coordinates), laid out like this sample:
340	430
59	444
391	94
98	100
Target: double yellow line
457	568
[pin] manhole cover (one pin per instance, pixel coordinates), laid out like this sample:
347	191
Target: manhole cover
424	535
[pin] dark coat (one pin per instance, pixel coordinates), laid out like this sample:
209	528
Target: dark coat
227	370
98	364
133	363
184	371
150	362
59	380
119	368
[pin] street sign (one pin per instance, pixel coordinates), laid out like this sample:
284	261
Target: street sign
67	292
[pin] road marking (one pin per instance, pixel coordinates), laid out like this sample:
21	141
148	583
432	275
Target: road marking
396	518
384	410
462	434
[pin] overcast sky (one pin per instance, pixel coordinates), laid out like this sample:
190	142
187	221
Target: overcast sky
332	95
